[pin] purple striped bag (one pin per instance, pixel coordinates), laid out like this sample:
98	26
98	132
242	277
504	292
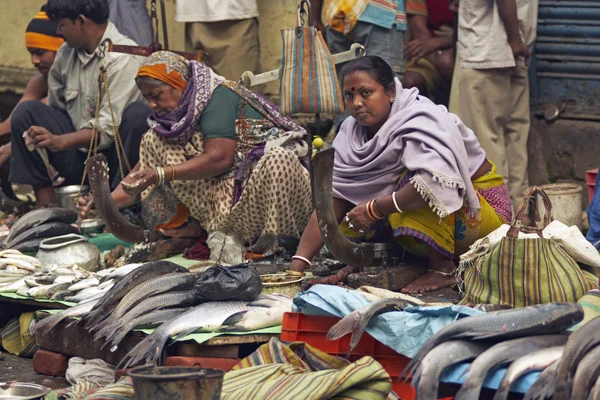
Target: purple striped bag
309	83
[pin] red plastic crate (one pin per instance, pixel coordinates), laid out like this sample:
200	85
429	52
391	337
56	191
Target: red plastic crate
313	330
590	181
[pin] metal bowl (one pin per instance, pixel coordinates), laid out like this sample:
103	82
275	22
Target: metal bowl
24	391
92	225
67	195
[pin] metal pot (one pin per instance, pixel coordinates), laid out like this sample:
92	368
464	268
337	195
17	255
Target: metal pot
68	250
24	391
66	195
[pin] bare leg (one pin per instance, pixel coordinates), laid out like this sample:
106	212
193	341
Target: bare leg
44	196
432	280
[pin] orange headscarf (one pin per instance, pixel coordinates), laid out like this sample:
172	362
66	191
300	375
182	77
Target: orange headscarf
167	67
41	33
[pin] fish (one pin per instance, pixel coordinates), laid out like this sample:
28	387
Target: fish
356	322
440	358
19	263
84	284
121	271
38	217
261	313
502	354
30	246
171	299
47	291
43	231
545	384
13	287
104	284
161	284
586	374
127	283
25	290
536	361
151	319
45	325
501	325
45	279
65	279
63	294
207	316
87	294
595	392
580	343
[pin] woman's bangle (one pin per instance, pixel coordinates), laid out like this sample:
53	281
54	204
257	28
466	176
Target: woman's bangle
371	211
160	175
304	259
172	172
396	202
375	211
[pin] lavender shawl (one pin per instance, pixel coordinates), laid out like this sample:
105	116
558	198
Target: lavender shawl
418	136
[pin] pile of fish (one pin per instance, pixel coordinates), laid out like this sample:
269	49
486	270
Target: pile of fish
29	230
161	293
525	339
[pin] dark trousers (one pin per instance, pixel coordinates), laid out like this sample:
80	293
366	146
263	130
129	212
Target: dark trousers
28	168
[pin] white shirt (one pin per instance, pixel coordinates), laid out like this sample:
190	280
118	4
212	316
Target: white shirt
73	84
215	10
482	40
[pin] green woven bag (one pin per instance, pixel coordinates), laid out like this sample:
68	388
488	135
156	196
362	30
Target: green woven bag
523	272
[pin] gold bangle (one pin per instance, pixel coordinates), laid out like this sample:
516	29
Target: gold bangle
162	176
157	182
295	273
172	172
375	212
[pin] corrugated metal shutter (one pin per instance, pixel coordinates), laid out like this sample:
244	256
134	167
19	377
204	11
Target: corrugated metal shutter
567	57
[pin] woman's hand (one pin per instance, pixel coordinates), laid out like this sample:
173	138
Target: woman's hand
85	204
139	181
358	219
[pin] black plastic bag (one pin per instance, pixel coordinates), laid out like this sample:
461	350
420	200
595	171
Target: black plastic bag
239	282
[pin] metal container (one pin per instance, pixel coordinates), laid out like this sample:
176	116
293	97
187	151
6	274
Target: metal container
286	284
68	250
91	225
176	383
67	195
24	391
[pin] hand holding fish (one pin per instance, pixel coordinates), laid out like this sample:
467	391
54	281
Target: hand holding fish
39	136
137	182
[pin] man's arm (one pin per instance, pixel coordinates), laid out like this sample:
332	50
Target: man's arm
316	6
36	89
508	13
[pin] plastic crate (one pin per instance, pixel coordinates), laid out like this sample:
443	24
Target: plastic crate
313	330
590	181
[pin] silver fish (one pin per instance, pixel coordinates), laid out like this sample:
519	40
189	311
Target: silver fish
121	271
43	231
261	313
499	355
47	291
38	217
45	325
171	299
545	384
505	324
87	294
105	284
13	287
84	284
437	360
207	316
153	318
63	294
356	322
24	291
536	361
587	373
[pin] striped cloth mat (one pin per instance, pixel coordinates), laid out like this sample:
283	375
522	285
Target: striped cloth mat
591	307
122	390
277	371
17	336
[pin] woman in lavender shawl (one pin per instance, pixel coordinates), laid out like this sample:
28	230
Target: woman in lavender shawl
408	170
218	154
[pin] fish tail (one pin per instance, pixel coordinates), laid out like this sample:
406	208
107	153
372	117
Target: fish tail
183	334
150	348
74	322
115	341
544	387
502	392
233	319
347	324
468	392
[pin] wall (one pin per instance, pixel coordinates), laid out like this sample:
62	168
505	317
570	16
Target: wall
15	65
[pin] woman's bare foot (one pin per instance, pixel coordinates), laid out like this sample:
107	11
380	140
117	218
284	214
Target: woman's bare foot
438	275
185	231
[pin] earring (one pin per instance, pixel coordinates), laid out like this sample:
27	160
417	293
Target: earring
392	100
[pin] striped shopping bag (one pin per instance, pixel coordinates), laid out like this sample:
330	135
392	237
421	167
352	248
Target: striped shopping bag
523	272
309	83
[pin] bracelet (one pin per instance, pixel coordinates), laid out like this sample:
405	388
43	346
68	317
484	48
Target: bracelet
375	212
396	203
172	172
371	211
160	175
295	273
306	260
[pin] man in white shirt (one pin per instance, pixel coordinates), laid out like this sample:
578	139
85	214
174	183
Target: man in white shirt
64	126
491	83
227	30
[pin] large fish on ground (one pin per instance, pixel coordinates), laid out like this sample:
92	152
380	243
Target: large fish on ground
587	373
536	361
595	392
126	284
150	319
505	324
38	217
545	384
45	325
500	355
356	322
440	358
30	246
46	230
580	343
207	316
264	312
170	282
171	299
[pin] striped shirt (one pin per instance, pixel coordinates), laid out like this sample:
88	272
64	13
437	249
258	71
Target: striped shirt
385	13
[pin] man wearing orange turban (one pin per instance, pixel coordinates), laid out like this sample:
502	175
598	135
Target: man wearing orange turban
42	42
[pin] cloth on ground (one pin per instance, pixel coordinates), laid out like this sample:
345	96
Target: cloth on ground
122	390
591	307
89	371
18	338
294	371
405	332
199	251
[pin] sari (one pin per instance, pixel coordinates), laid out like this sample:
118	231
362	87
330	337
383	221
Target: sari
264	200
